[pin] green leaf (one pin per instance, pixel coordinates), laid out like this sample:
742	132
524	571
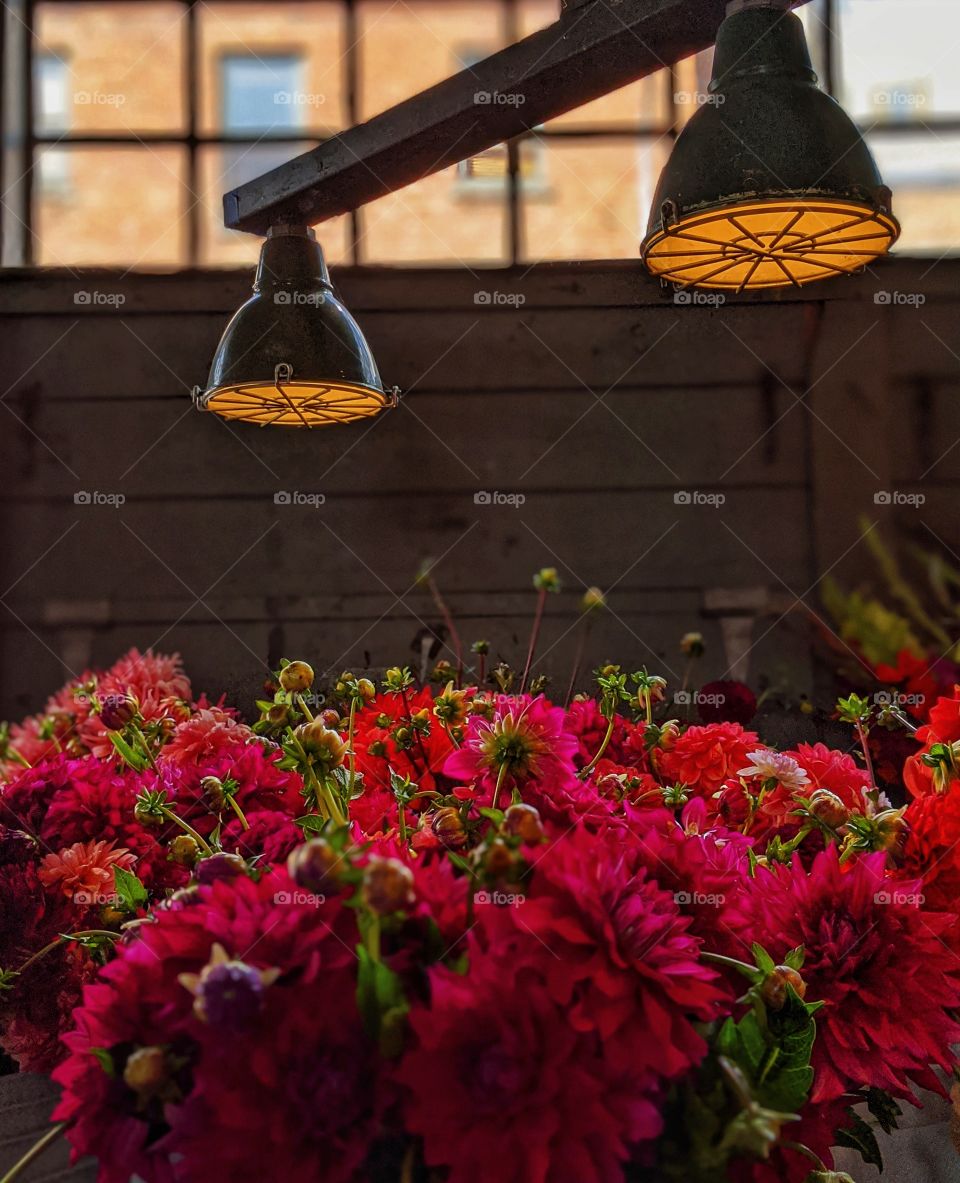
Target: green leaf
137	761
884	1108
795	957
765	962
382	1003
311	823
131	892
859	1136
105	1060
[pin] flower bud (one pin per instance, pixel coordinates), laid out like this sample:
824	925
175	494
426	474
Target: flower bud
220	866
366	689
319	740
377	748
891	828
313	864
116	713
498	860
523	821
448	827
146	1072
184	850
387	886
330	718
296	677
827	807
692	644
279	714
669	734
592	600
212	786
147	816
773	989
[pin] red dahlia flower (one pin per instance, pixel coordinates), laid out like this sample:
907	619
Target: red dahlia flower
878	962
704	757
622	961
501	1085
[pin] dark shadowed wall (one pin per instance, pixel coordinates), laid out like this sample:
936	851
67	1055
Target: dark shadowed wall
620	415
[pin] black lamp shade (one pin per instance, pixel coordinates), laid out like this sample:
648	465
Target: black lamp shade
770	183
293	355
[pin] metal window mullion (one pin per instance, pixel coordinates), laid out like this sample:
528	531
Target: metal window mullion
511	31
352	84
192	80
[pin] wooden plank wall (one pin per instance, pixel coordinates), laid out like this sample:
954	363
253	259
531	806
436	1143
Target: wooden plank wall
597	397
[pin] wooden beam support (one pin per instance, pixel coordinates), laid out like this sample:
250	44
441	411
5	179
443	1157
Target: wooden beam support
594	48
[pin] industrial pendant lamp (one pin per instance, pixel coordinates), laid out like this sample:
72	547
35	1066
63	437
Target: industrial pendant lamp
770	183
292	355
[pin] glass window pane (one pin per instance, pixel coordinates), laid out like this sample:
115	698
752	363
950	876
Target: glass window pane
114	206
898	59
594	198
123	67
225	167
407	47
262	93
923	171
641	104
441	219
271	65
51	94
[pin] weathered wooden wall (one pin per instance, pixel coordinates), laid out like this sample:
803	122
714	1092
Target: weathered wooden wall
598	398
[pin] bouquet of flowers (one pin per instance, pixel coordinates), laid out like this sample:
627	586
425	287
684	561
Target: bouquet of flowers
453	931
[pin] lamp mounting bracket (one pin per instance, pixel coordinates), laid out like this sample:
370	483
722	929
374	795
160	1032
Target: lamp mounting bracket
591	50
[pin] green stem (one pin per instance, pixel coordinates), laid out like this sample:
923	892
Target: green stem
141	740
185	826
582	633
496	791
87	932
862	736
730	963
302	704
34	1152
534	636
353	754
588	768
451	627
234	805
801	1149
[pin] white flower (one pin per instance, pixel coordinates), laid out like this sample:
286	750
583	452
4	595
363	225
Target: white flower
770	765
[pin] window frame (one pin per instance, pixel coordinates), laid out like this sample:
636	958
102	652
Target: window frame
25	141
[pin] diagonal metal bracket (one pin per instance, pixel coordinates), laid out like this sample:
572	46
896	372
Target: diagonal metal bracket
594	48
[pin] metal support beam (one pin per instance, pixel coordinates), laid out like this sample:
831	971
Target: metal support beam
591	50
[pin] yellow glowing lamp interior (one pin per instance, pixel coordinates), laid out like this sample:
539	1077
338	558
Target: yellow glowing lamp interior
769	244
296	404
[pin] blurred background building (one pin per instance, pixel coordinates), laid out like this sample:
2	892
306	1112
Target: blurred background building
143	112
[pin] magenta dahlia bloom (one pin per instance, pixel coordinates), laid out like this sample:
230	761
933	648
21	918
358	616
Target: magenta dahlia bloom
879	963
525	746
501	1085
279	1090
